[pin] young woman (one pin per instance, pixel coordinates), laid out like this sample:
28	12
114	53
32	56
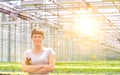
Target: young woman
38	60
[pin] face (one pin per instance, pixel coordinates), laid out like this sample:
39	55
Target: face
37	39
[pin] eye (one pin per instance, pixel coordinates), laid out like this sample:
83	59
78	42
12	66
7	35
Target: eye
35	37
39	36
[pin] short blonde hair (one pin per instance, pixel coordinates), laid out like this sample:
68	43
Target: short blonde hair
37	30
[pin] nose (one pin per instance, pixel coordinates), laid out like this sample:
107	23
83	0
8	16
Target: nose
37	38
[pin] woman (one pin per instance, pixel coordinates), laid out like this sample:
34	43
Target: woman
39	60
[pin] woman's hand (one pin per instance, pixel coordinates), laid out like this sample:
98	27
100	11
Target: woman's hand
28	61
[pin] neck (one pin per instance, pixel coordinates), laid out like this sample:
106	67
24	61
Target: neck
37	48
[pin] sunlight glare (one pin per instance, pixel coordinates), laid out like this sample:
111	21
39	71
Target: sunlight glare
86	25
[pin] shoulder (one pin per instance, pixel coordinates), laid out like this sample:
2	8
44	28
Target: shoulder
49	50
27	53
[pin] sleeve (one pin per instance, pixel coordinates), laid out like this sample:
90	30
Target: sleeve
51	51
24	56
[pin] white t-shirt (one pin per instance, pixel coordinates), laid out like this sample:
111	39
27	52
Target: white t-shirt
41	58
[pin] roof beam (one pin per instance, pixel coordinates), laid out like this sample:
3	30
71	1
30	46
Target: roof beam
110	0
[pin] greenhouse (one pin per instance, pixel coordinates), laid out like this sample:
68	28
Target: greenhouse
84	34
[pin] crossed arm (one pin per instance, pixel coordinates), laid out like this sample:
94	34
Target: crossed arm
40	68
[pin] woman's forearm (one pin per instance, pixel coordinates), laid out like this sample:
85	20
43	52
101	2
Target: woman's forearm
31	68
45	69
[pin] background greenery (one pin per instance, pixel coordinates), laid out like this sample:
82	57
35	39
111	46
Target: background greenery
70	68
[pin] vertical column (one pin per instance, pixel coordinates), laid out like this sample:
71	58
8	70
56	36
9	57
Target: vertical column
1	43
21	47
15	42
9	43
31	27
3	19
